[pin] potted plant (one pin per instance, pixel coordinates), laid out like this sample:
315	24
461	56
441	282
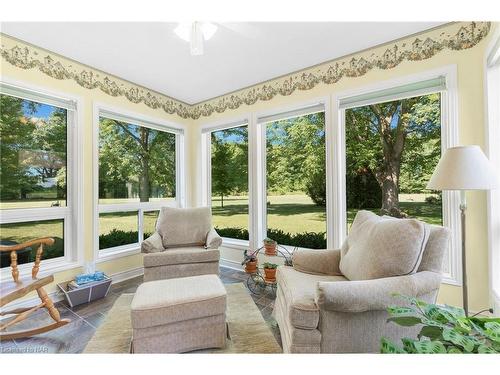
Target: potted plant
443	329
270	272
250	262
270	246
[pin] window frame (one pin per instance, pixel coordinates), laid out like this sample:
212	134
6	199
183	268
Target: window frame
449	138
72	213
492	114
102	255
205	193
260	121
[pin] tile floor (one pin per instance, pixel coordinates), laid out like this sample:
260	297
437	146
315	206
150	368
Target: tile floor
73	337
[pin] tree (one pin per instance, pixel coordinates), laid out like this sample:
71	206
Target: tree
15	134
381	136
135	155
223	180
296	156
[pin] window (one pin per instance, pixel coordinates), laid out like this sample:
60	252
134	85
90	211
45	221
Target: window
138	170
392	149
393	134
37	196
229	181
296	180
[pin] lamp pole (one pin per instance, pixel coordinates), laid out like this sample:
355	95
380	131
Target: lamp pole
463	208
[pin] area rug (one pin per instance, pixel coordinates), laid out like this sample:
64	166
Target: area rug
248	332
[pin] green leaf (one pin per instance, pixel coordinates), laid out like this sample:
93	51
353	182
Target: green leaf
408	345
429	347
457	338
484	349
454	350
456	311
406	321
388	347
437	314
400	311
463	325
432	332
492	331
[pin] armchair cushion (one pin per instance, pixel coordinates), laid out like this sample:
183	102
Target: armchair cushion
368	295
214	241
317	262
299	292
380	247
184	226
182	255
152	244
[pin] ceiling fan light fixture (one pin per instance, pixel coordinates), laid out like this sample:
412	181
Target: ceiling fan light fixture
195	33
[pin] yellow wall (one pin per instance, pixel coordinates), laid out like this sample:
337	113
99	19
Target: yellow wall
471	126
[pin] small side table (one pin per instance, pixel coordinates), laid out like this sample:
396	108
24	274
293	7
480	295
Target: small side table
256	281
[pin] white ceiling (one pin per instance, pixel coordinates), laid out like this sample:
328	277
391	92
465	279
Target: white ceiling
237	56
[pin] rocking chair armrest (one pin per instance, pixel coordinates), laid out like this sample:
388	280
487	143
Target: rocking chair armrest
38	257
21	246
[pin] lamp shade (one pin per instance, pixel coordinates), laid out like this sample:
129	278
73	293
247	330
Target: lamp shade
464	168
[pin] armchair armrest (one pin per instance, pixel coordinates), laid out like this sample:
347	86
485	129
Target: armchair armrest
368	295
152	244
317	262
214	241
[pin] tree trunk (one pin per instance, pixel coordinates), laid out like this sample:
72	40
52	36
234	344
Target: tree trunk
222	201
144	185
388	180
393	142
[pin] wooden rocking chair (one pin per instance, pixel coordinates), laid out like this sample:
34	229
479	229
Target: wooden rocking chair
12	290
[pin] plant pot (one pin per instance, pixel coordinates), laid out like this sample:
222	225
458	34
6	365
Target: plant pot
270	275
270	249
251	267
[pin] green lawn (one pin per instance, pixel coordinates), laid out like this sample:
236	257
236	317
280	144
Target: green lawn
296	213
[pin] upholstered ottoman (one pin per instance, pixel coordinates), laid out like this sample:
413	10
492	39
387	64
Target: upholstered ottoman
179	315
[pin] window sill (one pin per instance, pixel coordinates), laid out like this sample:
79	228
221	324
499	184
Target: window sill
233	243
117	252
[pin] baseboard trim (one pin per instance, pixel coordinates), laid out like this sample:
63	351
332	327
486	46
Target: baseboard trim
230	264
57	296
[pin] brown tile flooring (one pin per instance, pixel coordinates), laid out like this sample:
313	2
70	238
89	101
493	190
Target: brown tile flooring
73	337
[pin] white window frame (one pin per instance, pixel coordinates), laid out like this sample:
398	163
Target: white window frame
492	109
449	138
72	213
139	207
205	198
259	187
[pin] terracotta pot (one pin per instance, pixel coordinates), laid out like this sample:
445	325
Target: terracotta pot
270	249
270	274
251	267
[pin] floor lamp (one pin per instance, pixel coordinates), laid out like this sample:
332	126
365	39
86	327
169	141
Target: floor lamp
464	168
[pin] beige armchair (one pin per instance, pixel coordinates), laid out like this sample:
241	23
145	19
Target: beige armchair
184	244
335	301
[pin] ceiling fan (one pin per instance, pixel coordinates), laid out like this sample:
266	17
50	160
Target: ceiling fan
195	33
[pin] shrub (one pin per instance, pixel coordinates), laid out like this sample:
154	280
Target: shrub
310	240
316	187
432	199
238	233
118	238
445	329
